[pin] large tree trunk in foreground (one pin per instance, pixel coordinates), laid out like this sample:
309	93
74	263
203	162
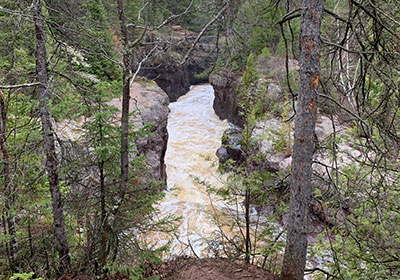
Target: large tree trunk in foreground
303	148
48	137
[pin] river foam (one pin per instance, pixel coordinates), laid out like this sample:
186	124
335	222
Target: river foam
195	133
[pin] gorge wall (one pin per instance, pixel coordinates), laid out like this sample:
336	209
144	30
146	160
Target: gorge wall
150	105
226	84
226	91
168	68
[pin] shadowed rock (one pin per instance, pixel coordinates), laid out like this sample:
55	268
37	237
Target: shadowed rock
231	146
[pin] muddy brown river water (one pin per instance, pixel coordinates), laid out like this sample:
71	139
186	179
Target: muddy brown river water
195	133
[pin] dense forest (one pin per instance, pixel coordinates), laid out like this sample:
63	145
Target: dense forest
311	155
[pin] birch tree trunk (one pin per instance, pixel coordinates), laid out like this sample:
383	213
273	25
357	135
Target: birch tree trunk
303	147
48	137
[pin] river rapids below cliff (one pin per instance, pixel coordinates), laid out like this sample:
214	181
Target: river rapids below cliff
195	133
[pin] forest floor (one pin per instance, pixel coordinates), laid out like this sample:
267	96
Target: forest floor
210	269
183	268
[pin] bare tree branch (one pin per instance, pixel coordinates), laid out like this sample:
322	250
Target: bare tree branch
19	85
289	16
202	33
169	19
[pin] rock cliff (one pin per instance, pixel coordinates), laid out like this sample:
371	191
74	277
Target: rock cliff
165	65
172	78
151	106
225	84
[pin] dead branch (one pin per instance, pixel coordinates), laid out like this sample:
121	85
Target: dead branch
202	33
19	85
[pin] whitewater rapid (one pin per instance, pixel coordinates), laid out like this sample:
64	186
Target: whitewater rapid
195	133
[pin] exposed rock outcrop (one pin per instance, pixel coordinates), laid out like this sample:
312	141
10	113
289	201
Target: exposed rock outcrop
231	146
169	76
165	66
225	84
151	106
154	109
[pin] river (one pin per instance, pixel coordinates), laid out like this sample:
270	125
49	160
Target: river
195	133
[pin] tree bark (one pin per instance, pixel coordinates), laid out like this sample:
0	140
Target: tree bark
303	148
247	218
48	137
125	100
104	225
8	187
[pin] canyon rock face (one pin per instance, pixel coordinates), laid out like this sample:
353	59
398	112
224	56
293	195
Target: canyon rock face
150	105
225	84
153	110
169	76
166	65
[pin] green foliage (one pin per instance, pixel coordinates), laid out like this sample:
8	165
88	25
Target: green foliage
254	34
24	276
100	43
265	32
251	75
83	79
28	190
284	138
145	259
201	76
91	49
364	242
15	49
195	17
250	96
265	52
250	185
261	37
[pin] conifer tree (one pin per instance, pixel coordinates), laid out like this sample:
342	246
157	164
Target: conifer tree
44	94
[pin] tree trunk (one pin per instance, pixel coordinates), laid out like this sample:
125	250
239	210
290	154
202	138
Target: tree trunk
303	148
8	187
247	213
48	137
104	226
125	101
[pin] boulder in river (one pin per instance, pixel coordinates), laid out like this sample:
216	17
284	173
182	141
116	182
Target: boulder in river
231	146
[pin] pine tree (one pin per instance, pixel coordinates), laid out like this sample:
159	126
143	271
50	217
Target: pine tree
44	92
